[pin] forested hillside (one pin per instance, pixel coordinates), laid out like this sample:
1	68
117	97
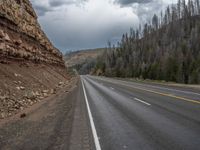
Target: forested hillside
83	60
167	48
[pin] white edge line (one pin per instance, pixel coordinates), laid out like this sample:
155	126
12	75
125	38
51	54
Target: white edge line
142	101
96	140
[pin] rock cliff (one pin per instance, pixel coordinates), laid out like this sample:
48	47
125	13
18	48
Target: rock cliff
31	68
21	37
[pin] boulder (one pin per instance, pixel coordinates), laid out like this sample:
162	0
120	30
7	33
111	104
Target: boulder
6	37
2	34
45	91
30	95
53	91
2	46
18	42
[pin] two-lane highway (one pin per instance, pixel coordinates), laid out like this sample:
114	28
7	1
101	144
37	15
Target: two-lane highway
129	115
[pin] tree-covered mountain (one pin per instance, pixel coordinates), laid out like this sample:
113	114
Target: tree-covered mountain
167	48
83	60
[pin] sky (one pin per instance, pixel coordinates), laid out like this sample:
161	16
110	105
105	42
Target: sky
86	24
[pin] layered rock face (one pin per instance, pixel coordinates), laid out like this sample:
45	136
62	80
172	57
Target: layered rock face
21	37
31	68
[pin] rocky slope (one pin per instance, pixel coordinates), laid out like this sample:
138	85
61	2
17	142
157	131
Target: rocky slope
31	68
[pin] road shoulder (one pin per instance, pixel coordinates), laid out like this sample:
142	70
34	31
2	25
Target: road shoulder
81	137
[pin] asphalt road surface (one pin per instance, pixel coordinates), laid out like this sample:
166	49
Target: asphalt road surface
108	114
139	116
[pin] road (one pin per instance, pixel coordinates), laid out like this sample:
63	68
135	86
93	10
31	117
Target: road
108	114
140	116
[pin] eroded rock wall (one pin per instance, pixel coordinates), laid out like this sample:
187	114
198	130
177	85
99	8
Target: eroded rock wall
21	37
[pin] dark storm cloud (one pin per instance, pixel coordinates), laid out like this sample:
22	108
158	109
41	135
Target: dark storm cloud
79	24
42	9
56	3
128	2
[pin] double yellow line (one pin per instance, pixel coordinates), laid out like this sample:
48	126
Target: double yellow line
169	95
164	94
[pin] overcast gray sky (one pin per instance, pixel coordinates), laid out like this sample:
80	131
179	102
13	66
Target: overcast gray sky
83	24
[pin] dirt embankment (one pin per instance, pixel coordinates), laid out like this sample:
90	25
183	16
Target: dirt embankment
22	85
47	125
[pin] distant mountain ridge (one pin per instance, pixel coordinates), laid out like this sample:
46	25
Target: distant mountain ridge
81	56
83	60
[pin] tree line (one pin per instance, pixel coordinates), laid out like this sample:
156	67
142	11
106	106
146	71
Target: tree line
167	48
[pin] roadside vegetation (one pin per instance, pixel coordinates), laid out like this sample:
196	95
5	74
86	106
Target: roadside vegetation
167	48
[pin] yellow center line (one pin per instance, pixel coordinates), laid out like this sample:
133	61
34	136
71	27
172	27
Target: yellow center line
169	95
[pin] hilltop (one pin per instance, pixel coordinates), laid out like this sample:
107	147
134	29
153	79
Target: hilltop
81	56
80	59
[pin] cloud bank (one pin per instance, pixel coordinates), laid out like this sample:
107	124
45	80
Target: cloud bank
81	24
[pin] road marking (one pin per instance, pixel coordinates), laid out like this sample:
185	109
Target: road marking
187	92
163	88
159	93
163	94
94	132
142	101
169	95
